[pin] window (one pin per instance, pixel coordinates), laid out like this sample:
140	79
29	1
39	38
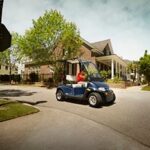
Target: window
74	69
71	69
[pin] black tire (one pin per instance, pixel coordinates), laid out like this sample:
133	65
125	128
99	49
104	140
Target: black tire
114	98
94	99
59	95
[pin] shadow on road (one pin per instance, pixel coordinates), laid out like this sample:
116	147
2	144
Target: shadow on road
32	103
109	104
81	102
14	93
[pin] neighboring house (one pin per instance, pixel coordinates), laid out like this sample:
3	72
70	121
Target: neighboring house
5	70
44	71
100	53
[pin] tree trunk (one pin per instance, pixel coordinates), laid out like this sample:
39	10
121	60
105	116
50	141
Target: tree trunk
10	73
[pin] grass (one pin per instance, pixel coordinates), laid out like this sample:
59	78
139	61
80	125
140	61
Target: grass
146	88
12	109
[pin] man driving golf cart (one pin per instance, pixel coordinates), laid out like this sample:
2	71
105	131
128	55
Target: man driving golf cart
81	76
90	86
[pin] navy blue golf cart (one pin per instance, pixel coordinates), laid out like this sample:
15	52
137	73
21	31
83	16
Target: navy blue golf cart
93	90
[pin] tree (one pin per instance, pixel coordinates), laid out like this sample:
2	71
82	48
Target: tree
51	38
133	67
5	59
145	66
9	56
15	48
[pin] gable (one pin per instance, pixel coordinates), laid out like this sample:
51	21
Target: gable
104	46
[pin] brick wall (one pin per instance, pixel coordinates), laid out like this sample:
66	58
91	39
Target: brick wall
44	69
84	53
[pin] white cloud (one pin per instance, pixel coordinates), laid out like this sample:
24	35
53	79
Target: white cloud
126	23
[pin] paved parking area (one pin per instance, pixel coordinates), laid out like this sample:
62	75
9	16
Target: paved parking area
73	125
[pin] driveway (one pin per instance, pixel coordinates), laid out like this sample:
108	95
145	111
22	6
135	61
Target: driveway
73	125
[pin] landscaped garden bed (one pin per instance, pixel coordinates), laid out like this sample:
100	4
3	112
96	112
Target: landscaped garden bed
120	84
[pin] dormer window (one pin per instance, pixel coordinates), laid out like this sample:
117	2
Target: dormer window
106	52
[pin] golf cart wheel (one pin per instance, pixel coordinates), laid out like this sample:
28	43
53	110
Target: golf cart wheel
94	99
59	95
114	98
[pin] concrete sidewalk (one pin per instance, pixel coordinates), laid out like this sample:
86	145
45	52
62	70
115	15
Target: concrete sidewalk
127	121
59	130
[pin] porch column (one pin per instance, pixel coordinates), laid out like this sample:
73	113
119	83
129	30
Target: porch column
126	72
112	69
119	70
122	70
116	68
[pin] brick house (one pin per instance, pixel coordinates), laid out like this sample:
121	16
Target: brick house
100	53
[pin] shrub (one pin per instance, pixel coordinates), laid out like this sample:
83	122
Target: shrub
105	74
115	80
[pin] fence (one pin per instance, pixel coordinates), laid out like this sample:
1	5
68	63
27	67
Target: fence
7	78
33	77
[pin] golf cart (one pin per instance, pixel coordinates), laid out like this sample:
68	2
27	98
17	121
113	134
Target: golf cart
93	90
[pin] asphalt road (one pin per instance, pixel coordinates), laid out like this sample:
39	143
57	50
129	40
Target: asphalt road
74	125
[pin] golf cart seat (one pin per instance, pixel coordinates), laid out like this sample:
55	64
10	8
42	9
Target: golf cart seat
71	78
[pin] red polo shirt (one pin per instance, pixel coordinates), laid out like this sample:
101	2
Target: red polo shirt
80	77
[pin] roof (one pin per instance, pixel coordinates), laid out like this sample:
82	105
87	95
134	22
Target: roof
100	45
114	57
91	47
87	43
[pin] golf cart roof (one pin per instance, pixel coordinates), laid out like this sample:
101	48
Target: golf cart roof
73	61
77	60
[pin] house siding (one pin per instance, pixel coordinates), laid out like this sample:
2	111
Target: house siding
86	54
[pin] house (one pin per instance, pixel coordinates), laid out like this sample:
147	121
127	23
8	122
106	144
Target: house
5	73
44	71
5	70
100	53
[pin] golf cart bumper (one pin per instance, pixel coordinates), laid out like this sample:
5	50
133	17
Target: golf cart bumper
109	96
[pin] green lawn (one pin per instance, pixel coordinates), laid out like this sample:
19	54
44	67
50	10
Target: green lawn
146	88
12	109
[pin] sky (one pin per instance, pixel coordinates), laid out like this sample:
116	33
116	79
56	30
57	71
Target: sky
125	22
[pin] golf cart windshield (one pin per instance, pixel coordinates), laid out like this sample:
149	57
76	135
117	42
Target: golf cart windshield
92	71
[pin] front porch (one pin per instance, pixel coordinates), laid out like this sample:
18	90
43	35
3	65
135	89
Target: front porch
114	63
